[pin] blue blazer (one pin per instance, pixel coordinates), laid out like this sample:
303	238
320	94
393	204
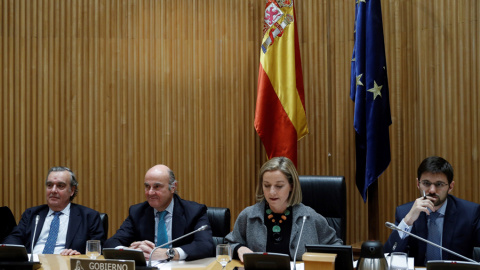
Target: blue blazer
187	217
84	224
461	231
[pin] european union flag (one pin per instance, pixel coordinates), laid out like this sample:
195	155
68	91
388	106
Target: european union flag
369	91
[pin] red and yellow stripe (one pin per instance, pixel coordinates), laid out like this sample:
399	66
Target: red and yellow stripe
280	118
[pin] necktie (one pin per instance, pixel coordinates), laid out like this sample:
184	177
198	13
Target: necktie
434	235
162	236
53	234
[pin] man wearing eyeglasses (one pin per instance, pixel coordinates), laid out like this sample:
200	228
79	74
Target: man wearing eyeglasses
436	216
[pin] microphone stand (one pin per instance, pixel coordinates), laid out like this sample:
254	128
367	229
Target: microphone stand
37	217
298	243
394	227
204	227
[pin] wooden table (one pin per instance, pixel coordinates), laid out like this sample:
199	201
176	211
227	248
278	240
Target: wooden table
58	262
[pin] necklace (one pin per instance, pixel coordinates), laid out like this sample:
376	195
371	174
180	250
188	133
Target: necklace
276	229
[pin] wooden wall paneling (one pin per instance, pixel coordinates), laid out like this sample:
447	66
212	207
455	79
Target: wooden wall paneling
397	25
389	19
16	66
7	100
27	99
473	24
37	102
3	99
120	195
12	114
109	88
465	133
474	67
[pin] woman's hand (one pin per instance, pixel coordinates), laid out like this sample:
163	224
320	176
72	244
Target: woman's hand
242	251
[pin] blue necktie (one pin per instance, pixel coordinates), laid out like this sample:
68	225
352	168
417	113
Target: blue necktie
53	234
162	236
434	235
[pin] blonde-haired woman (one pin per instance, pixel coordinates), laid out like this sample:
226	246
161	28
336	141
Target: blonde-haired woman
273	224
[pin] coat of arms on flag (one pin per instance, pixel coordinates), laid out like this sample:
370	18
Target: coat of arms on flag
273	14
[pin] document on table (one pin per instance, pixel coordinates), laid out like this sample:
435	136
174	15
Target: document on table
35	257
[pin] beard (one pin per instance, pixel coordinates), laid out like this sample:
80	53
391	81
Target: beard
439	201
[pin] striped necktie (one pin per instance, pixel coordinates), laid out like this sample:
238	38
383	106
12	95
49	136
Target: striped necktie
53	234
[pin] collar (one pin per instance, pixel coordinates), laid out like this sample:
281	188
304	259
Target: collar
443	208
65	211
169	208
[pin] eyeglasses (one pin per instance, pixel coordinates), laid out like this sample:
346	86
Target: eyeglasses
427	184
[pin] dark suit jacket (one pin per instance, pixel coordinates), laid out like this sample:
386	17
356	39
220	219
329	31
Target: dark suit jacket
187	217
7	223
461	231
84	224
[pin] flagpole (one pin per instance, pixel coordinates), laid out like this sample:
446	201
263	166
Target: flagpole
373	219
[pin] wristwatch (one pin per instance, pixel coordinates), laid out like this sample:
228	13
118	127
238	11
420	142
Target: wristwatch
170	254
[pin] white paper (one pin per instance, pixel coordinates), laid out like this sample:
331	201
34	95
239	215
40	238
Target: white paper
35	257
197	264
300	266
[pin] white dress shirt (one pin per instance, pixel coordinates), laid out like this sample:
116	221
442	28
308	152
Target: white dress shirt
168	225
62	231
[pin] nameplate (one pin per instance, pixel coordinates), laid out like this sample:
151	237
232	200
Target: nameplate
89	264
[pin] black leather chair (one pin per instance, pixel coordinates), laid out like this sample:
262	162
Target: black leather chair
8	222
219	219
104	218
476	254
327	195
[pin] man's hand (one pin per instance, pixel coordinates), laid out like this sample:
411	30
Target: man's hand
421	205
68	252
242	251
145	246
161	254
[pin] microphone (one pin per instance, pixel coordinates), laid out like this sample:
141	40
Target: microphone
204	227
37	218
298	243
394	227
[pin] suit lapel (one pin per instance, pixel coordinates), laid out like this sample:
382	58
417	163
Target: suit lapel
149	220
422	231
178	219
43	215
295	226
73	224
449	224
257	217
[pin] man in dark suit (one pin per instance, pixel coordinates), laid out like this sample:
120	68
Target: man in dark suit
163	217
439	217
63	227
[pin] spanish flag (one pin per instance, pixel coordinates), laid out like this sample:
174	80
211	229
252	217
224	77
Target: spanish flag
280	118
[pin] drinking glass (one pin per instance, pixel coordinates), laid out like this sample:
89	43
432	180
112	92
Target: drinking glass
224	254
398	261
93	249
